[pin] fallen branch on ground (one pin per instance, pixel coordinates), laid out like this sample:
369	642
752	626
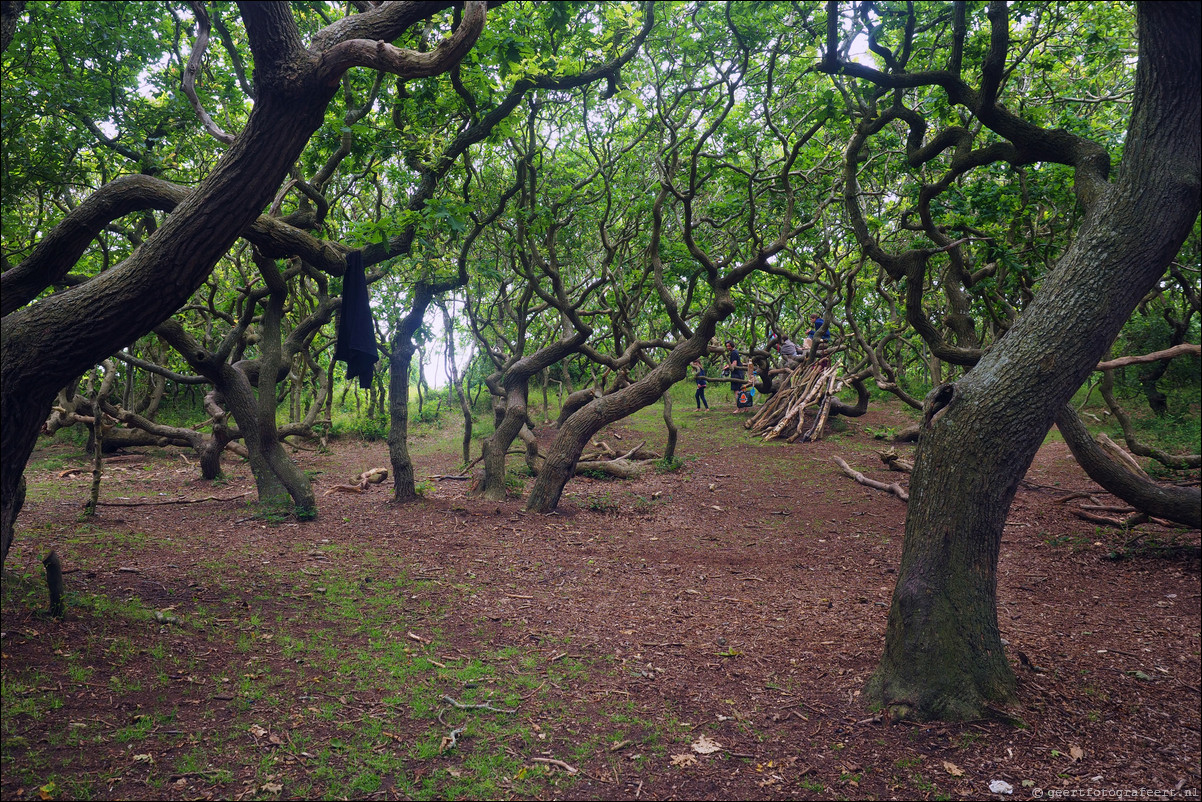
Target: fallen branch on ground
164	503
373	477
894	488
622	467
1125	523
462	706
553	762
895	461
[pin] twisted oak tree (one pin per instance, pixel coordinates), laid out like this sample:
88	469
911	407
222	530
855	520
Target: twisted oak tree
943	654
48	343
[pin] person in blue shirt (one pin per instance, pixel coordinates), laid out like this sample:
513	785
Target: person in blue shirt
819	330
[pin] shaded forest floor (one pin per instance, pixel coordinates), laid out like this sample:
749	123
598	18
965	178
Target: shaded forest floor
700	634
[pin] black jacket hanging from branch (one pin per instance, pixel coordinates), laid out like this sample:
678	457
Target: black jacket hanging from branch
356	328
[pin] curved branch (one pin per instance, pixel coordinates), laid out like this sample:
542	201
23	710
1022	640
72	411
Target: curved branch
406	63
1180	504
1168	353
158	370
189	80
59	250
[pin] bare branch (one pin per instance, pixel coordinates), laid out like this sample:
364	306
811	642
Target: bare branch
189	82
1168	353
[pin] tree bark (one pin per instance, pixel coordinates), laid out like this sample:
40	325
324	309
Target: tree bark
943	655
282	474
574	402
670	448
516	386
404	487
516	391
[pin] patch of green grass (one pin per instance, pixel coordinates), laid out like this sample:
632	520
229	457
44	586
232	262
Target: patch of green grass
668	464
603	502
137	731
24	697
79	673
106	607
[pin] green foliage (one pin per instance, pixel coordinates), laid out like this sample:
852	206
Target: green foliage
515	480
668	464
369	430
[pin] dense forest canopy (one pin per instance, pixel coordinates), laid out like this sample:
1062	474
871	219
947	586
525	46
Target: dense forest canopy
980	200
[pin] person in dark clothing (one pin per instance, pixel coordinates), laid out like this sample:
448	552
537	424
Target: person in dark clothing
735	365
702	382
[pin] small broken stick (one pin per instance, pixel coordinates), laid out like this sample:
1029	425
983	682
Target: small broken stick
553	762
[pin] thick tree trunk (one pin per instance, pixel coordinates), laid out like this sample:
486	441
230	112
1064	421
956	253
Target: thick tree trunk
516	384
493	484
210	452
285	476
532	456
404	488
943	654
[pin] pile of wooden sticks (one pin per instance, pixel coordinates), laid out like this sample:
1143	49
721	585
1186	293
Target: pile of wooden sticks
783	416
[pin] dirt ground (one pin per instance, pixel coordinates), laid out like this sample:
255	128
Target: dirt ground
702	634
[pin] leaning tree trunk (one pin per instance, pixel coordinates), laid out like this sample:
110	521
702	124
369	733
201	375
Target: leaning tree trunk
516	386
400	361
210	452
943	656
670	448
575	433
283	482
